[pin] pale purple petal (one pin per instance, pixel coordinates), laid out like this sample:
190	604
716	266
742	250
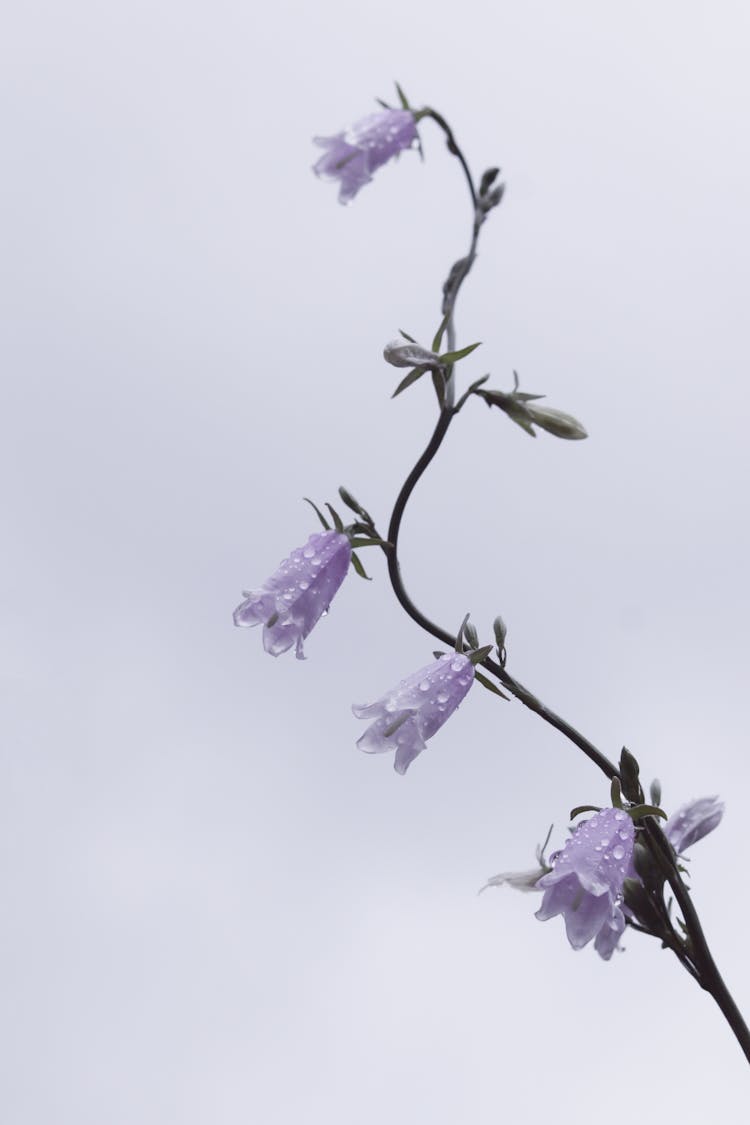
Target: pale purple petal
585	884
609	935
406	717
692	821
584	920
525	881
353	156
292	601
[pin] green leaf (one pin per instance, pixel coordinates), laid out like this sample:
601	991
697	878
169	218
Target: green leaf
439	334
337	521
362	542
616	793
487	683
449	358
637	811
318	513
359	568
477	383
402	97
655	792
480	654
460	634
583	808
471	635
439	385
407	336
414	374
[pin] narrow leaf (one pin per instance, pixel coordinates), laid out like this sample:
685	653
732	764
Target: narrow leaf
487	683
337	521
359	568
453	357
583	808
480	654
439	385
637	811
407	336
414	374
362	542
402	97
439	334
318	513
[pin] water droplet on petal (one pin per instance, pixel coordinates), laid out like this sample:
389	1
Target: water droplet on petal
308	552
618	852
442	697
425	685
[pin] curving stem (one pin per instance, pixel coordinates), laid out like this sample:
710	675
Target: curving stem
694	953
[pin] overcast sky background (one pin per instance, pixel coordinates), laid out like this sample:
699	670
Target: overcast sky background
215	909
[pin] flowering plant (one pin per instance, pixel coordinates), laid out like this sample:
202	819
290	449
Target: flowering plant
622	867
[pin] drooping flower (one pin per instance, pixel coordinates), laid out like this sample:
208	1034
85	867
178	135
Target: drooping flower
585	883
408	715
692	821
291	602
353	155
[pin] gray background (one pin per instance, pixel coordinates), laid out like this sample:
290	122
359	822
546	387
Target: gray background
214	909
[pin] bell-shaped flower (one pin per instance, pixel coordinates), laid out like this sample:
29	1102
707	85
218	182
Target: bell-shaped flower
408	715
292	601
352	156
692	821
585	883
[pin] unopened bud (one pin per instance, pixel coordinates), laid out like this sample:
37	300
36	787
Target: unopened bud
556	422
404	353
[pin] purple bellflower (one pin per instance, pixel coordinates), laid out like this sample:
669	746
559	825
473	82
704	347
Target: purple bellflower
352	156
406	717
692	821
585	883
292	601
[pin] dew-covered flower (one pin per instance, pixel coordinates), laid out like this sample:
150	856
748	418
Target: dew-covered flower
352	156
408	715
585	883
692	821
291	602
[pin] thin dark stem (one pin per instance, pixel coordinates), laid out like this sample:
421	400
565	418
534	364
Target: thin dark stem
710	978
697	958
694	952
394	571
453	149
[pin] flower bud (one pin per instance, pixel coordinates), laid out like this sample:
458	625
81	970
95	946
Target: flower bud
555	422
405	353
